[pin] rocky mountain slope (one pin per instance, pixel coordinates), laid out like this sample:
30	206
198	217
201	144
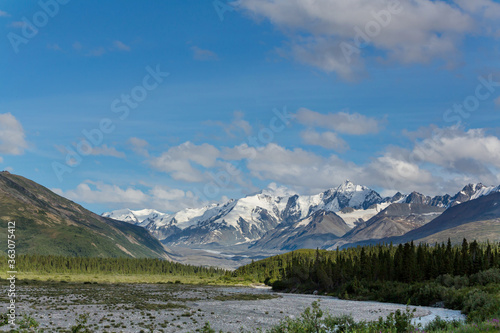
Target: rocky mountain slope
482	209
396	220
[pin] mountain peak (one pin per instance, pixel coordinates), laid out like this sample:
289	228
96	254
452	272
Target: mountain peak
348	186
276	190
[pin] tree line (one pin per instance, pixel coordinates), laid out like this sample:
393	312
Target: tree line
407	263
84	265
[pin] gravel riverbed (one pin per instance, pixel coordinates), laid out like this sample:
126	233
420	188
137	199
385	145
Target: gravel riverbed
183	308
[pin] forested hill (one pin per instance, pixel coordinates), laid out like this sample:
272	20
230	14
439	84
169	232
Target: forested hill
328	270
464	277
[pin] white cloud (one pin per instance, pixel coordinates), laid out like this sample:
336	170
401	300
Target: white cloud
328	140
12	137
1	159
441	161
483	8
104	150
497	102
420	32
203	55
4	14
118	45
177	161
158	197
172	200
139	146
341	122
98	192
297	168
394	171
458	150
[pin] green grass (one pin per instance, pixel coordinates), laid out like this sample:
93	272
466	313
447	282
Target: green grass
127	278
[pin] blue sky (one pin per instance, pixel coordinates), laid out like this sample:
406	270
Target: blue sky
415	106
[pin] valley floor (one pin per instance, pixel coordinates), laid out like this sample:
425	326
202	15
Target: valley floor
181	308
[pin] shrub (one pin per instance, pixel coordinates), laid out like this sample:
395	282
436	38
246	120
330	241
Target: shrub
479	305
485	277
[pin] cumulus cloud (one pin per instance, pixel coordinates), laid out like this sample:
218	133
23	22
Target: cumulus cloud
4	14
99	192
158	197
203	55
178	161
395	171
170	199
293	167
483	8
104	150
328	140
139	146
457	150
12	136
439	160
341	122
415	31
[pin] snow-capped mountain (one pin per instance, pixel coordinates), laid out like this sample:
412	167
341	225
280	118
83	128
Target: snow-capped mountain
248	219
175	223
141	217
281	217
469	192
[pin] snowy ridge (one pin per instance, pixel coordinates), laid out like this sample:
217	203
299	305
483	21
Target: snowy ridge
247	219
138	217
480	190
355	217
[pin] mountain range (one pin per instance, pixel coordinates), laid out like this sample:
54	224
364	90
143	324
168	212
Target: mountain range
235	232
276	220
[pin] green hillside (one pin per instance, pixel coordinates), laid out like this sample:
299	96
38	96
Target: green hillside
48	224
